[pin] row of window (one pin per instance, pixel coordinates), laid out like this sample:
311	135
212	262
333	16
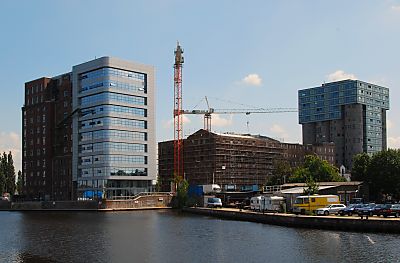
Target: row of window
34	89
343	87
113	159
113	147
320	117
113	122
115	85
113	97
100	184
108	109
38	152
321	103
114	135
38	119
112	72
373	94
113	171
327	89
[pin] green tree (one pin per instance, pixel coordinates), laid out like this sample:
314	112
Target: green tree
182	187
10	175
317	169
20	183
311	187
281	173
361	163
3	165
383	175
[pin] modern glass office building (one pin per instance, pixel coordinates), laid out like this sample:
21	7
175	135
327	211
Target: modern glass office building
113	128
350	113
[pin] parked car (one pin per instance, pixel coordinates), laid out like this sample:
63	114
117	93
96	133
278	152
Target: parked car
360	206
377	209
330	209
367	210
214	202
390	210
350	210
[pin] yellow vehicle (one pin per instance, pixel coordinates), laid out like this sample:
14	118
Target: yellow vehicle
310	203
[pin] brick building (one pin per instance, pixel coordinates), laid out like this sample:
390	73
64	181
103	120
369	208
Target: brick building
47	139
294	153
231	160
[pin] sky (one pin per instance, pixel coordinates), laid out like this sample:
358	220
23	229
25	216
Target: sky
240	54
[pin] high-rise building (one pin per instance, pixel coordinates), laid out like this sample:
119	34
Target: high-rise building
349	113
46	138
97	134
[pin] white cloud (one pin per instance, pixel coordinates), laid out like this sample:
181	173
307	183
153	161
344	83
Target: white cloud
252	80
218	121
396	8
11	141
394	142
340	75
169	124
389	124
279	131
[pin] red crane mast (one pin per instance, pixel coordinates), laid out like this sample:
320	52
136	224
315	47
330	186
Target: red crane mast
178	116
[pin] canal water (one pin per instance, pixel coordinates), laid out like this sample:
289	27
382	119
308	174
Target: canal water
168	236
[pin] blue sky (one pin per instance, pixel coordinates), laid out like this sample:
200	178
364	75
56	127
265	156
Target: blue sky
238	53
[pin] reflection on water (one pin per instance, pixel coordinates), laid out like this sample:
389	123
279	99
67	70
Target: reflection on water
28	258
166	236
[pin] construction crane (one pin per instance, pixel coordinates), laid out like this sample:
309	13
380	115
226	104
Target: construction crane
207	113
178	117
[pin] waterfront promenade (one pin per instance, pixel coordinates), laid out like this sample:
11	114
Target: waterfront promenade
372	224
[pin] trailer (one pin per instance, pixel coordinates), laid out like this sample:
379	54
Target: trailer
273	204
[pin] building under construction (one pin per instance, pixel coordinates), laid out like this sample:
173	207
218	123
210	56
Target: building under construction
236	162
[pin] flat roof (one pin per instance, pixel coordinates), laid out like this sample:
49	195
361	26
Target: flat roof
323	184
300	190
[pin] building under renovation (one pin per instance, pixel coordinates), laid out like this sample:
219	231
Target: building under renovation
235	162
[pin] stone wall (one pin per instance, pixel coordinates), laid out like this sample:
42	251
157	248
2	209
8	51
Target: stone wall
316	222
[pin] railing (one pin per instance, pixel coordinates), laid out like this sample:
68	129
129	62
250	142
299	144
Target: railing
132	197
270	189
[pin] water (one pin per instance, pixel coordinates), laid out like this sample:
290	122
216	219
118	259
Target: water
167	236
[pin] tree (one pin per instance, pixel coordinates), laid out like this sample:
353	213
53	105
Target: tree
383	175
2	176
3	165
311	187
10	175
282	171
7	174
182	187
361	163
20	183
317	169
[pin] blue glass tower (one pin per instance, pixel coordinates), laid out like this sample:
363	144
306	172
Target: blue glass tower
349	113
114	152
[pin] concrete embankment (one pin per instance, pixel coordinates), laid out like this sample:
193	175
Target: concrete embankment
316	222
145	202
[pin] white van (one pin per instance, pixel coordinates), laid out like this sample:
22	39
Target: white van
255	203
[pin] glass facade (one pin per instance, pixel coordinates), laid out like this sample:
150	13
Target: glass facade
323	103
327	103
112	133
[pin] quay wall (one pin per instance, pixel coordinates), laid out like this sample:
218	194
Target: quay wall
142	202
301	221
153	201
